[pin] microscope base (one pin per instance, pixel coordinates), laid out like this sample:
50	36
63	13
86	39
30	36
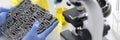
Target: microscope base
83	35
68	35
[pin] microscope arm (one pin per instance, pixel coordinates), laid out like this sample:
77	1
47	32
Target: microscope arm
95	18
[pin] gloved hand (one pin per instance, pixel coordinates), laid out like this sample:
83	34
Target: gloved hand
3	14
32	34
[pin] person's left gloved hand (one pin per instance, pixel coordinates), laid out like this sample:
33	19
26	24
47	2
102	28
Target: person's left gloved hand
32	34
3	14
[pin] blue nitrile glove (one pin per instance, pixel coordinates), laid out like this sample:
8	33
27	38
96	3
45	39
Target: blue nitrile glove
3	9
32	34
3	15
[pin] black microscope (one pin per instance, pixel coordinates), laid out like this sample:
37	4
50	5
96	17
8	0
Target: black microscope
77	15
